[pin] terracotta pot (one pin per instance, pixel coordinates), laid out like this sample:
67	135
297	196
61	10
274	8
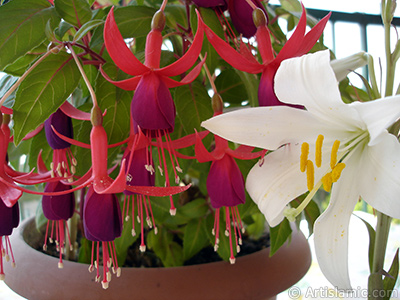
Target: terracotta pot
255	276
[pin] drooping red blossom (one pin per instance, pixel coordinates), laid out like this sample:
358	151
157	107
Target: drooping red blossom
225	185
102	222
98	174
298	44
241	15
152	107
141	171
9	219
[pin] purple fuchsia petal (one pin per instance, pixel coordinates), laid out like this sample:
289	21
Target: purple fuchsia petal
63	124
9	218
102	218
242	16
225	183
58	207
152	106
137	174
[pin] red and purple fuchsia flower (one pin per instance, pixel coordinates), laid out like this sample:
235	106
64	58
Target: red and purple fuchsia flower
299	44
59	208
152	107
225	183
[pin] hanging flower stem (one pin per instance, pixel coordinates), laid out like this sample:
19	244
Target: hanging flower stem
85	78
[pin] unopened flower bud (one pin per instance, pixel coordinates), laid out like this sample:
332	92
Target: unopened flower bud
259	18
342	67
6	119
158	21
217	103
96	117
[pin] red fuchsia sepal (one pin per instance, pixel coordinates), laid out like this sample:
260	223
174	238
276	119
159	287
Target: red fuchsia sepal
298	44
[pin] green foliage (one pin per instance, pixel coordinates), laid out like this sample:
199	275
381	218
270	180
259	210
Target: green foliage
22	26
75	12
42	92
279	235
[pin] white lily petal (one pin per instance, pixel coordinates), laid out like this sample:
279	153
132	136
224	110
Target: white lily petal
380	184
331	229
279	180
269	127
276	182
310	81
378	115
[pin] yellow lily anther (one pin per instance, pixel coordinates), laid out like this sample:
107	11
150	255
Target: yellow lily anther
310	175
335	149
327	182
337	170
305	148
318	150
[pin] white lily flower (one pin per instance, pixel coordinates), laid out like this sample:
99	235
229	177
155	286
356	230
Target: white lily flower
369	154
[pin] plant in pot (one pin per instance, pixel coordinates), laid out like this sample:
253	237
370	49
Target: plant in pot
102	104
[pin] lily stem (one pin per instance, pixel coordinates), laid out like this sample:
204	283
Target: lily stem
381	239
389	59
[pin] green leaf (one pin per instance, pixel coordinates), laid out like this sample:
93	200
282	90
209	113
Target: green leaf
42	92
85	251
6	82
40	219
230	86
223	246
390	280
372	234
194	238
75	12
125	241
193	105
175	14
170	252
86	28
257	228
18	67
23	24
278	235
134	21
117	103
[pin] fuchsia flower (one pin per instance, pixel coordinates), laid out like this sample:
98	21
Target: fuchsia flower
225	185
298	44
9	219
152	107
241	15
102	222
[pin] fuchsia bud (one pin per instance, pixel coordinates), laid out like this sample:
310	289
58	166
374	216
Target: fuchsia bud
63	124
242	16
